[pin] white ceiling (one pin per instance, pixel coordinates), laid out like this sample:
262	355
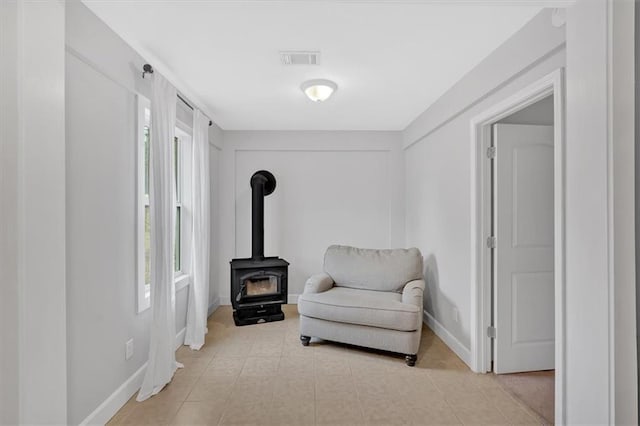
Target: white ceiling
391	60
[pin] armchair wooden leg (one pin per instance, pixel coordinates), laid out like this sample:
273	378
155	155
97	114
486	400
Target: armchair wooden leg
305	340
411	360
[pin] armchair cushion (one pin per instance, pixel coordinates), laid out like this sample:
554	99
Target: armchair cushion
363	307
367	269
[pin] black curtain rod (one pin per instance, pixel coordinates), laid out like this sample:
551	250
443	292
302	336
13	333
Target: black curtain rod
185	102
148	69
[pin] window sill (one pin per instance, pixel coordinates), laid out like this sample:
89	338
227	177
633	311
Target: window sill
182	281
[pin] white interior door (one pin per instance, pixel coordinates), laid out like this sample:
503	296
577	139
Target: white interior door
523	255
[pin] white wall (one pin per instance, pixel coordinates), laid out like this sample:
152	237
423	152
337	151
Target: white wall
622	121
540	114
32	234
437	159
103	77
42	212
332	188
216	138
9	313
101	237
33	359
600	283
101	213
637	183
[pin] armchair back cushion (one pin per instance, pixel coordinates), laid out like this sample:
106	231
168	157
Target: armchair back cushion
368	269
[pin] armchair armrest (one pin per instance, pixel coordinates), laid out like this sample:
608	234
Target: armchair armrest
412	292
318	283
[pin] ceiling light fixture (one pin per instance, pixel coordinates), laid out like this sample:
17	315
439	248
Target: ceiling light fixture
319	90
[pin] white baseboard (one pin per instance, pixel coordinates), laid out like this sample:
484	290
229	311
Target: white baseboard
116	400
214	305
291	299
180	337
448	338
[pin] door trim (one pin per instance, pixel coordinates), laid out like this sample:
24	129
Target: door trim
551	84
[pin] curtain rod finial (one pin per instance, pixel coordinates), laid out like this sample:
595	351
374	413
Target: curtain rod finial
147	69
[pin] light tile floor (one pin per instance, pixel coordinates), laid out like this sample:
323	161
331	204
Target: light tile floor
262	375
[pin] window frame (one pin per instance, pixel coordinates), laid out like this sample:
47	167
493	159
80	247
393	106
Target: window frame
143	292
183	132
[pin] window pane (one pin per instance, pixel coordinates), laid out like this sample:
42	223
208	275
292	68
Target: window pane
147	245
177	254
146	160
176	168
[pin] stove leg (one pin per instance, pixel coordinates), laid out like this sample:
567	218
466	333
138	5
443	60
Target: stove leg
305	340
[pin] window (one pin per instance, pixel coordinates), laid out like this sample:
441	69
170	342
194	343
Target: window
182	166
181	150
144	214
177	163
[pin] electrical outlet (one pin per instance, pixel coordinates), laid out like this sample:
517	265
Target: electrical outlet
456	315
128	349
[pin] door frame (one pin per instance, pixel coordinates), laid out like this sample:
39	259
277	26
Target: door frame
551	84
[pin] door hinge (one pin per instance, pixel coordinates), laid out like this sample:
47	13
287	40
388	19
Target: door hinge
491	152
491	242
491	332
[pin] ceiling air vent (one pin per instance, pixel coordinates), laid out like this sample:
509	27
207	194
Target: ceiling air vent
300	57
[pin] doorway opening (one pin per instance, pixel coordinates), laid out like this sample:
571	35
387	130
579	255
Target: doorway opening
521	158
518	244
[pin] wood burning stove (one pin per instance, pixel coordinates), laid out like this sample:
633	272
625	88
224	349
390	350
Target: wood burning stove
258	284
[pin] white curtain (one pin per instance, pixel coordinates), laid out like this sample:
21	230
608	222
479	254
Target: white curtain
199	290
162	359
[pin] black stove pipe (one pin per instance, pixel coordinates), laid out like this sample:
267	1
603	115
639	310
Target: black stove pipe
263	183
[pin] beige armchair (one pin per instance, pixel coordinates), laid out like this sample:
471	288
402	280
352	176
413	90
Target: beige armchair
364	297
